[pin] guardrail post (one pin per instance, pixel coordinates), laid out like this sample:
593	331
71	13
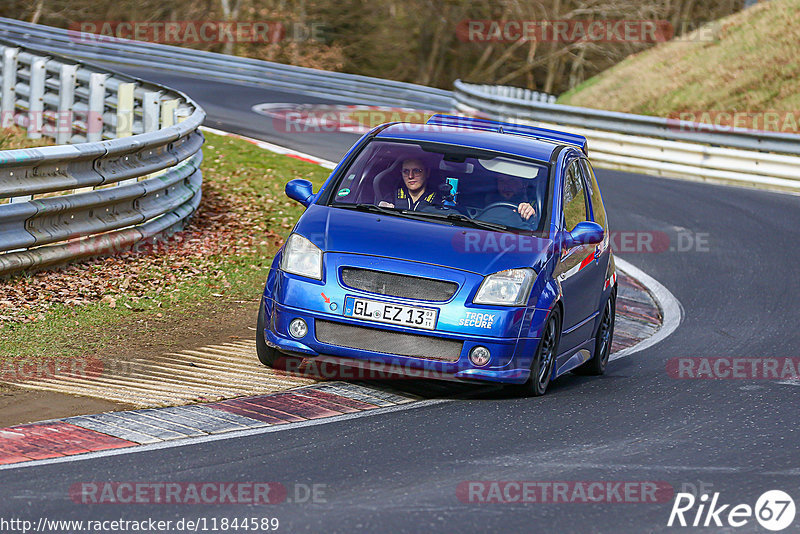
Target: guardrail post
125	109
151	113
36	101
97	102
8	103
66	99
151	109
125	116
168	113
182	113
94	114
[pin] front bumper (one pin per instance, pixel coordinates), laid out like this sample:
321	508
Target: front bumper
511	353
501	368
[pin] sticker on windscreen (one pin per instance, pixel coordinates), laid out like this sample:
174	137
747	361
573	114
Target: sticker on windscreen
343	192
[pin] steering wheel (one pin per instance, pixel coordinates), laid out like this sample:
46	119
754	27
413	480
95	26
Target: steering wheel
472	211
499	205
507	205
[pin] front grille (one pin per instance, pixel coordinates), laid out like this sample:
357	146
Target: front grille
386	342
398	285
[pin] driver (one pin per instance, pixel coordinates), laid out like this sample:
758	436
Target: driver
512	190
413	194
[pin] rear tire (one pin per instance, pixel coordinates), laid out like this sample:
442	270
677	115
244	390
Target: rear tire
266	354
602	342
545	358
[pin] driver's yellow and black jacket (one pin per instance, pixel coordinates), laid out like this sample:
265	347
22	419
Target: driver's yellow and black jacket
402	200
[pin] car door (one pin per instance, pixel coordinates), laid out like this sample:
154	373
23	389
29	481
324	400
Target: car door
577	270
602	250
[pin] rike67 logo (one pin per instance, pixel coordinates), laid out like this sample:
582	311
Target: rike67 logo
774	510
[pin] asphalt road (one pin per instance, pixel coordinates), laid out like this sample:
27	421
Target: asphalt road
228	107
399	471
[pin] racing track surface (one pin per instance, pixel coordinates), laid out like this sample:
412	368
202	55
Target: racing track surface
398	471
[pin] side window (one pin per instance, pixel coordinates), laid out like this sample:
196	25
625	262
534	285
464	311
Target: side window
598	210
574	197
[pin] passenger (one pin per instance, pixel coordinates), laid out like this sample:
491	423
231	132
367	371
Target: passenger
413	194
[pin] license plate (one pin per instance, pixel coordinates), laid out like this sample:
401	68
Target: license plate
386	312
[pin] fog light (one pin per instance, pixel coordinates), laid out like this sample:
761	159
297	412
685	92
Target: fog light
479	356
298	328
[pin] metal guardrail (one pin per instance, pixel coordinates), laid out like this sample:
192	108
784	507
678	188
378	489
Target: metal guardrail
653	145
313	82
476	97
517	93
132	174
624	141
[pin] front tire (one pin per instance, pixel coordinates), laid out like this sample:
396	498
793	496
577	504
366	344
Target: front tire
545	358
602	341
266	354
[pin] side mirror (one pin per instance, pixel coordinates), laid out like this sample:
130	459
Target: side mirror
585	233
300	190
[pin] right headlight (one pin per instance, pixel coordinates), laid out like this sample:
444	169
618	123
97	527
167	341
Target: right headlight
302	257
506	288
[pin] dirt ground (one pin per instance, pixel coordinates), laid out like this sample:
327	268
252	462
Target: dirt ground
222	323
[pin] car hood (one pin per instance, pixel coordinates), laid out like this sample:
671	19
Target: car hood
460	247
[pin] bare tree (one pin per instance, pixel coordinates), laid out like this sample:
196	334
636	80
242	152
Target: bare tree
408	40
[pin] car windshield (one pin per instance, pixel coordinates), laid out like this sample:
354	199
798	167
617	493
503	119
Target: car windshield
463	186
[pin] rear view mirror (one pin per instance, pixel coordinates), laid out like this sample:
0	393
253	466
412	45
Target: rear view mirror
586	233
300	190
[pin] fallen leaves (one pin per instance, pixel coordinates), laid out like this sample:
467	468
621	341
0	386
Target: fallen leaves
227	224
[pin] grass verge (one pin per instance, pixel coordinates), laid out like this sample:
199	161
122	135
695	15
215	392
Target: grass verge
222	256
744	65
14	137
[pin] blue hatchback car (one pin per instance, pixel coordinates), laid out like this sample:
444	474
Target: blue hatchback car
462	249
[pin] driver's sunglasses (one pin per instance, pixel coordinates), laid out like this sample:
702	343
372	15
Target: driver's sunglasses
406	172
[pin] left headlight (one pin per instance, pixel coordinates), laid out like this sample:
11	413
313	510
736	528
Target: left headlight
506	288
302	257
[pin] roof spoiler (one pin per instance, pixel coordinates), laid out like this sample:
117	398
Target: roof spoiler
510	128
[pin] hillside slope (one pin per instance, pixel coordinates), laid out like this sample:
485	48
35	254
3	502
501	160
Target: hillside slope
751	64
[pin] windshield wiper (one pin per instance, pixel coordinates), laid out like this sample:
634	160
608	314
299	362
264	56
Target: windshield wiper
422	215
486	225
363	206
